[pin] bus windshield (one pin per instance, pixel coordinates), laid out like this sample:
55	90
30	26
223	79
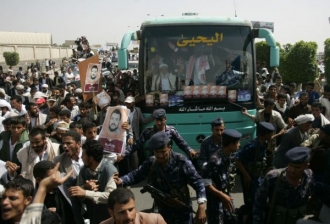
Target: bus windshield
191	65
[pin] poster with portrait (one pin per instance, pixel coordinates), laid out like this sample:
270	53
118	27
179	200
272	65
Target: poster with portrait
113	136
92	79
85	70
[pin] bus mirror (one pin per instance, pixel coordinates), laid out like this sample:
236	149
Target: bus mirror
122	59
138	34
274	56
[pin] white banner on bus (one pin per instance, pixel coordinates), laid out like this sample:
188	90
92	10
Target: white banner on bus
260	24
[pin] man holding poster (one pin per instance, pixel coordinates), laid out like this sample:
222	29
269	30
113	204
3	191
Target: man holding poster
92	78
113	135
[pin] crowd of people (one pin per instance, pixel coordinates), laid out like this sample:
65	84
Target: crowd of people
57	170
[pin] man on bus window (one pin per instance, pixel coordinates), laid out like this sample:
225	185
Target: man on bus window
160	126
164	81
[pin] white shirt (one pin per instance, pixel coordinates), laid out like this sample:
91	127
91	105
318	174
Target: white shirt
11	149
68	78
165	83
77	165
22	112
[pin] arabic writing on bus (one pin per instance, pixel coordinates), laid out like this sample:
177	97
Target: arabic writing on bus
200	39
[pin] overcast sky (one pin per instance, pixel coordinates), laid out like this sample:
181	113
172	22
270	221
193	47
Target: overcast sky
104	21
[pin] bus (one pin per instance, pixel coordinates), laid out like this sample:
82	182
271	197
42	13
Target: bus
198	69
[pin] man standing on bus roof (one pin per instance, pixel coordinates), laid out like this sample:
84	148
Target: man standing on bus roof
160	126
211	143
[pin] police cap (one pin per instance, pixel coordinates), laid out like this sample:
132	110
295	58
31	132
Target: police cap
297	155
266	127
232	134
217	122
158	141
158	114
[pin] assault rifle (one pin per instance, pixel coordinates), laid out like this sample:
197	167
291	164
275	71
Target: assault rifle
165	198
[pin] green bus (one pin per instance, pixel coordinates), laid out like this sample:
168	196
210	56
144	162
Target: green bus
197	69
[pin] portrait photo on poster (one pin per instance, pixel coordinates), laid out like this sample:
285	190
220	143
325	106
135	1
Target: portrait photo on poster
92	80
112	135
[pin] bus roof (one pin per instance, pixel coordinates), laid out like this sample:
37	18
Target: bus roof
196	20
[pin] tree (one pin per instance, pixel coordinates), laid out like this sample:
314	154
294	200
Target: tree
327	59
263	52
11	58
287	47
300	64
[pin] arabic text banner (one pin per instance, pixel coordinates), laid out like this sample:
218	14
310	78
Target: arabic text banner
113	136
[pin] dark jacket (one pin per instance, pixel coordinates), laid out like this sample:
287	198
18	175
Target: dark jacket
4	152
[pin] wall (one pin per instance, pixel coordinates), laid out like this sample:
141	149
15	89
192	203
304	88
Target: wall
30	54
36	52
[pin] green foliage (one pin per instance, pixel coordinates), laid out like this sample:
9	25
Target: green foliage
299	63
287	47
262	52
327	59
11	58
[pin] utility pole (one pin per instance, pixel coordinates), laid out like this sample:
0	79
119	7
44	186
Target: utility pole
235	8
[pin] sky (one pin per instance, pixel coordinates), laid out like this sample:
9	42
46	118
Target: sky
104	21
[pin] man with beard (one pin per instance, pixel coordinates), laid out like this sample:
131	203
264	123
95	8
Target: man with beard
44	79
212	143
165	81
42	105
37	149
136	118
69	160
91	84
287	190
16	197
170	173
36	118
293	138
45	89
160	126
95	181
301	108
121	206
115	119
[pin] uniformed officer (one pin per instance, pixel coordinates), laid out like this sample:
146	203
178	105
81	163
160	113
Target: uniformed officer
160	126
251	162
170	173
288	190
220	206
211	143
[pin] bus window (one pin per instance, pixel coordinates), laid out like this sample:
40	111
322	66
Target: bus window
204	62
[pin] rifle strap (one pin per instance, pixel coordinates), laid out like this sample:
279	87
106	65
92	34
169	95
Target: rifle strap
279	174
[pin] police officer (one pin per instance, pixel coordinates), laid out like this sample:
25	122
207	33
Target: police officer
211	143
160	126
170	173
250	160
288	190
220	206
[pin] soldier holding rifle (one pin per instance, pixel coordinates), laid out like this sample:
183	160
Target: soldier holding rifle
170	173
